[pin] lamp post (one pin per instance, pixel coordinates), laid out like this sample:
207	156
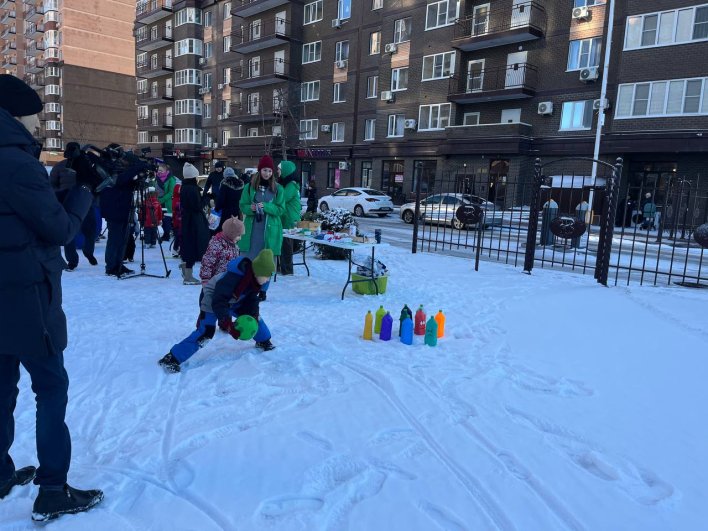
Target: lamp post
418	173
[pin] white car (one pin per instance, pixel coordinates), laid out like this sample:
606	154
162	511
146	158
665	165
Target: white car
442	209
359	201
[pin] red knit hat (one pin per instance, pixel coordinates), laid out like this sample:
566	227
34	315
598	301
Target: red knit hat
266	162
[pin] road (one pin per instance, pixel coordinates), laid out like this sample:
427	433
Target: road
393	230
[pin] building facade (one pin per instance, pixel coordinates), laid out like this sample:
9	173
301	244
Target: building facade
80	57
381	92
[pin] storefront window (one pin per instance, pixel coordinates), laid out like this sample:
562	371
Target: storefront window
392	180
425	169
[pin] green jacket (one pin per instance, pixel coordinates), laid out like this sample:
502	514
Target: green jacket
166	198
273	227
291	213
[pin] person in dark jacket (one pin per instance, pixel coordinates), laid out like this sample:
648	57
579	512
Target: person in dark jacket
195	229
229	197
311	194
213	182
73	159
33	227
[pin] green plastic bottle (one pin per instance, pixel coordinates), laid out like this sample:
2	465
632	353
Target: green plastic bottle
405	312
377	323
431	332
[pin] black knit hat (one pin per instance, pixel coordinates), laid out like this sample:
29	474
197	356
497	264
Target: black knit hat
17	97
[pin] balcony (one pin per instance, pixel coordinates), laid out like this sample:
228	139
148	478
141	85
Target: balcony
35	81
512	82
35	48
260	74
156	123
9	62
7	17
8	32
35	65
7	4
499	27
34	31
257	110
265	34
154	40
160	95
161	68
485	138
34	13
151	11
248	8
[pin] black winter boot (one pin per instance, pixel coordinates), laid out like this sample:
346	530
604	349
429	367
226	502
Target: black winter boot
265	345
53	502
20	477
169	363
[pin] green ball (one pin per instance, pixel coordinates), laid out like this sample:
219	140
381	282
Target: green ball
247	327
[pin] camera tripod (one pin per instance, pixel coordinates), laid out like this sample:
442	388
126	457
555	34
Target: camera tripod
138	205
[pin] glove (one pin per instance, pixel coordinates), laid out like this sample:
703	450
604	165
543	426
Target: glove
228	326
86	175
261	295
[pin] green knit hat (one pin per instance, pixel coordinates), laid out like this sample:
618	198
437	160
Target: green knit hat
287	168
263	264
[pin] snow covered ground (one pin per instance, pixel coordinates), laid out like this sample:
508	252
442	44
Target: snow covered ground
552	403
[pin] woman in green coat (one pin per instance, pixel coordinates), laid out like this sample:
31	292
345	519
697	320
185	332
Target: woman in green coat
262	207
291	212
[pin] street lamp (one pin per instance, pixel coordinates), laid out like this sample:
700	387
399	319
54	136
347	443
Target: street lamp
416	216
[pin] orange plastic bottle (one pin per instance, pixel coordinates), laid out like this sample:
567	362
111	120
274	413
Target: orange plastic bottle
440	319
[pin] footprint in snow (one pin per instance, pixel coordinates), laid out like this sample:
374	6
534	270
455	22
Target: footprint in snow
315	440
284	505
441	517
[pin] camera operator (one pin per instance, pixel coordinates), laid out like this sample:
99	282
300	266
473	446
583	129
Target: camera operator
33	226
213	182
116	204
76	161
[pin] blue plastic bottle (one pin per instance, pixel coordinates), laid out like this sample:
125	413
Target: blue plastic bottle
407	331
386	327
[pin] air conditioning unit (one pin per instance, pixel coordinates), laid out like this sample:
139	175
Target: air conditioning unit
203	90
409	124
597	105
545	107
390	48
337	23
341	64
202	60
590	74
221	85
343	165
387	95
325	128
220	117
215	145
581	13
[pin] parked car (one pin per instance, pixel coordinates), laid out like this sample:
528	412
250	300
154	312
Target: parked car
359	201
442	209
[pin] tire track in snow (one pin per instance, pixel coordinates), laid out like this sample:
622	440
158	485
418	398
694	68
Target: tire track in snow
483	498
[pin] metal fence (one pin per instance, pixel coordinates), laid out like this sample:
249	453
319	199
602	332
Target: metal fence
556	215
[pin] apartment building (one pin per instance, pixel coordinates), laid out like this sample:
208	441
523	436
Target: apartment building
379	92
80	57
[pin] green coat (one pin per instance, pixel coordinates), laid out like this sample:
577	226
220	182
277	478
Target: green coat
274	226
291	213
166	198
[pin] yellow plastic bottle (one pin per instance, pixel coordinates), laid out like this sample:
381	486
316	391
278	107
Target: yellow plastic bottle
440	320
377	323
368	326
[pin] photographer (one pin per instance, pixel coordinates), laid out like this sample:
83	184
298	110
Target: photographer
213	182
33	226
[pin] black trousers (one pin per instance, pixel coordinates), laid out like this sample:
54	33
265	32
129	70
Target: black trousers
88	230
286	257
115	245
50	384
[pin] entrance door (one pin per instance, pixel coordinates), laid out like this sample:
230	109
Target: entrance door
168	116
480	20
515	69
279	62
155	117
280	22
475	75
168	58
253	103
392	180
520	13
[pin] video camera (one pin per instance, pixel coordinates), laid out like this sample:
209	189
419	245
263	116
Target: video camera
109	163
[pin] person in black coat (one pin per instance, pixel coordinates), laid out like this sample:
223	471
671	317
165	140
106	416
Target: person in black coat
195	229
33	227
213	182
229	197
311	194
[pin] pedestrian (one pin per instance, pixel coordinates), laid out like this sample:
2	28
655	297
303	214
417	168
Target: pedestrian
291	212
262	206
195	229
311	194
229	197
233	293
150	217
648	211
165	189
213	182
221	249
33	226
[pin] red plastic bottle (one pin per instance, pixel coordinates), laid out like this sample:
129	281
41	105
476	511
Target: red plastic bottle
419	328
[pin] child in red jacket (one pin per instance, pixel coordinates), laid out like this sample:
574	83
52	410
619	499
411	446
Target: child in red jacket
221	250
151	217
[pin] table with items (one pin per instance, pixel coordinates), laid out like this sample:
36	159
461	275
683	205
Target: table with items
344	241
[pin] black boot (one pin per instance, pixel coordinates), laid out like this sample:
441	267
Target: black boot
20	477
51	503
169	363
91	259
265	345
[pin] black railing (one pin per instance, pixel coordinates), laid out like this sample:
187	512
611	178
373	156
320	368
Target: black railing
275	67
144	9
254	33
151	67
152	39
500	20
520	76
161	121
258	109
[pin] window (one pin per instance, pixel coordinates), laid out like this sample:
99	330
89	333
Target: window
583	3
576	115
432	117
188	46
142	86
341	51
375	43
370	129
338	95
206	83
510	116
311	52
141	59
51	71
438	66
480	20
206	111
56	107
225	135
395	125
189	15
188	77
372	86
54	143
227	43
367	173
344	9
55	90
402	30
665	28
188	136
376	4
470	118
142	111
188	107
313	12
584	53
252	131
338	132
663	98
142	137
226	75
399	79
227	10
310	91
53	125
208	50
442	13
208	22
309	129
